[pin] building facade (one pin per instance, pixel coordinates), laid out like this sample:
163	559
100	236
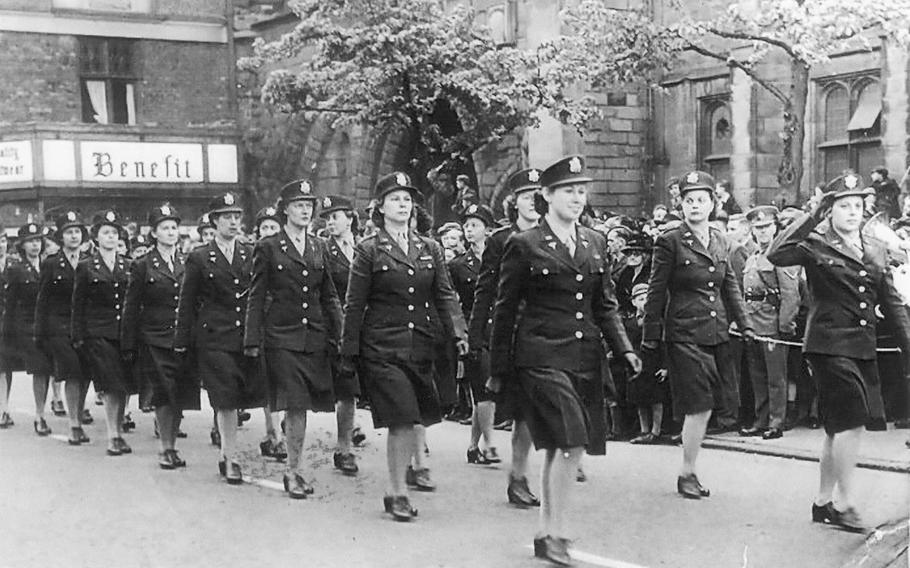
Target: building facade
116	103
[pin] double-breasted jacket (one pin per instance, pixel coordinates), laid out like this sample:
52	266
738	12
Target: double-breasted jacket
152	298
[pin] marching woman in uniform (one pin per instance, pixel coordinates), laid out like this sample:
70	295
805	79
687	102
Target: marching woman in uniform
341	224
848	279
523	186
147	333
691	294
298	326
19	318
555	307
6	374
464	270
268	223
98	295
395	276
53	311
210	316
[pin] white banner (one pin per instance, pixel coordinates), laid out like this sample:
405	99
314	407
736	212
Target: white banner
140	162
16	161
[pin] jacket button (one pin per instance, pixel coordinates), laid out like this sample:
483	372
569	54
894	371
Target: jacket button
578	335
410	308
306	288
710	284
410	325
117	307
579	315
176	285
711	298
862	288
176	298
305	305
545	271
579	296
711	269
863	305
579	277
713	314
410	289
688	261
385	267
237	295
304	321
237	323
116	284
236	281
862	322
237	308
116	296
118	317
305	273
863	273
410	272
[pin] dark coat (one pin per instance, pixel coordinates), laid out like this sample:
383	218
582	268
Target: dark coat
213	299
692	291
19	306
53	306
486	289
152	296
387	310
844	289
339	267
464	270
304	313
98	296
887	197
569	304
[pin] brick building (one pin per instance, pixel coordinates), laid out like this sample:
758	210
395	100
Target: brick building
122	103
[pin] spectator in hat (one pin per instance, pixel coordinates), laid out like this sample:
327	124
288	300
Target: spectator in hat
210	312
389	338
53	322
18	322
98	294
887	193
724	198
849	281
692	295
647	391
465	195
139	246
557	277
205	229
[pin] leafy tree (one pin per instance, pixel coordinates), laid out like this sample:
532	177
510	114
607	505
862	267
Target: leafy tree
805	32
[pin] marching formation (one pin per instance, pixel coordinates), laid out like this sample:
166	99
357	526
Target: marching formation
561	326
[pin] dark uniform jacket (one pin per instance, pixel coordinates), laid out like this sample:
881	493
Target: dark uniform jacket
21	295
844	289
53	315
772	296
304	313
464	270
487	286
339	268
387	312
150	311
570	307
98	296
692	291
213	298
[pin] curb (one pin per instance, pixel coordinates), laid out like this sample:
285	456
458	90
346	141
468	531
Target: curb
716	443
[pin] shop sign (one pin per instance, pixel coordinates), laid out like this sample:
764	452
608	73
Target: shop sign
16	161
141	162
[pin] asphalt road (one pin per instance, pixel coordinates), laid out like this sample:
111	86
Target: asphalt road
61	505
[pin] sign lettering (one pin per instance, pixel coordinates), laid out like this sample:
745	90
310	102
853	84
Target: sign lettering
16	161
135	162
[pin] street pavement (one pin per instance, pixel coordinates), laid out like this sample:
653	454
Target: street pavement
61	505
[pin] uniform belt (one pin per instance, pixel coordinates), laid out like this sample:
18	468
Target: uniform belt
754	297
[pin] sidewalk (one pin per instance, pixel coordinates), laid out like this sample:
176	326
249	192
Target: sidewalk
883	451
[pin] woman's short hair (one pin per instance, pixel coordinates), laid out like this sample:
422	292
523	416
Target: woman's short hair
377	217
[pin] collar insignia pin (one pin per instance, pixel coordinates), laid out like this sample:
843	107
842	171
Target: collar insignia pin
552	245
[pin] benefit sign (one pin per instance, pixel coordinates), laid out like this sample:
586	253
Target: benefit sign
141	162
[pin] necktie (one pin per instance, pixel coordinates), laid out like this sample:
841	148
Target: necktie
402	240
570	244
170	263
228	252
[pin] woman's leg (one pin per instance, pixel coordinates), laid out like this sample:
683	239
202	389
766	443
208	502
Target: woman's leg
484	414
344	420
75	399
826	474
167	426
544	523
693	433
113	413
562	478
657	418
399	449
226	421
420	445
644	419
40	386
295	437
844	451
521	449
5	384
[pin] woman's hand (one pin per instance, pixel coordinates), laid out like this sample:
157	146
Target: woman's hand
462	345
634	362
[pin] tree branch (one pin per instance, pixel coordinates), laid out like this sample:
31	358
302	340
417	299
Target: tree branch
732	62
750	37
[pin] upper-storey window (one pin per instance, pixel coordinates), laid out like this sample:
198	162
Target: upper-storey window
107	73
849	117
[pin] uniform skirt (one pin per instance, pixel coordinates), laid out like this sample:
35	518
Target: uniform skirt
101	360
402	393
29	357
476	372
346	386
64	359
647	388
232	380
699	377
565	409
844	386
165	379
299	381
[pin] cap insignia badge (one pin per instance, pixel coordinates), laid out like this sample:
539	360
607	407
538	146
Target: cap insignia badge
692	177
32	229
205	218
270	211
402	179
70	216
326	202
472	209
111	216
534	176
165	210
575	165
228	199
850	181
305	187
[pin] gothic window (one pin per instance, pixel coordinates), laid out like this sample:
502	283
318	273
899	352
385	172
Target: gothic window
715	140
849	125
